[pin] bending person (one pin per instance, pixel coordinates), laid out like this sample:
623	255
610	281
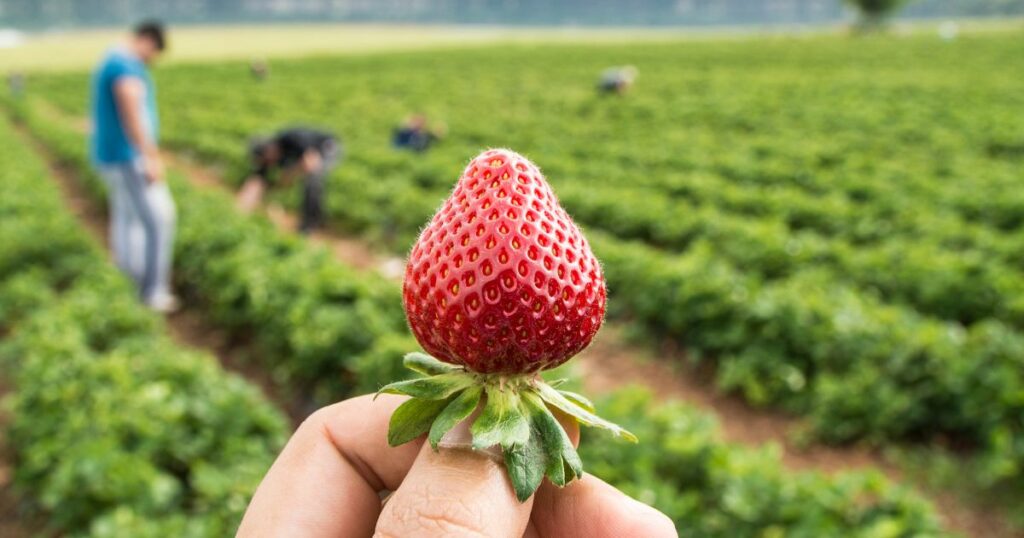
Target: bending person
293	152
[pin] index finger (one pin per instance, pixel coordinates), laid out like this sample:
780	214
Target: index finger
327	480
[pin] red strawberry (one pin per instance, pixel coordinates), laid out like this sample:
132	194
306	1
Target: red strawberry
503	283
502	280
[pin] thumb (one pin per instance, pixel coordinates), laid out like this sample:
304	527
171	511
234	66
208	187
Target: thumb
457	492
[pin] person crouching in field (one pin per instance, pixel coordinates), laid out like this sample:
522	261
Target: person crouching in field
617	80
415	134
125	152
293	152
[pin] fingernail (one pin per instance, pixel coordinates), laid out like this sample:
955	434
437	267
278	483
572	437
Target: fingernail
460	438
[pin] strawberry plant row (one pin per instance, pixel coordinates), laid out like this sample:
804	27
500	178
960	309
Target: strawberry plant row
115	430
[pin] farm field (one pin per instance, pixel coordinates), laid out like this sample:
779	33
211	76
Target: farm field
349	343
834	226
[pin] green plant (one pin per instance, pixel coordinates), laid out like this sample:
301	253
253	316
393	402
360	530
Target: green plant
115	430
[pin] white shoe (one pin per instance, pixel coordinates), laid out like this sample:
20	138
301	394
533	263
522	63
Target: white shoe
164	303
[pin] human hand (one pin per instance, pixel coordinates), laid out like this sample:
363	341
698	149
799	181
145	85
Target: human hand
327	481
153	167
250	195
312	161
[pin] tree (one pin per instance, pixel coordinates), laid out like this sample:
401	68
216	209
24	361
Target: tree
874	12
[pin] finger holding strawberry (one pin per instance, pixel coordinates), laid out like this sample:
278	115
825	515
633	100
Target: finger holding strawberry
500	286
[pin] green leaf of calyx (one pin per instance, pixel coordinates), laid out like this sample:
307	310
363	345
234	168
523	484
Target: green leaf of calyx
562	463
556	399
460	407
526	465
502	422
436	387
413	418
579	400
427	365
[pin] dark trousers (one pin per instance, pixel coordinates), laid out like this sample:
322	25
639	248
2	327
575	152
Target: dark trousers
314	189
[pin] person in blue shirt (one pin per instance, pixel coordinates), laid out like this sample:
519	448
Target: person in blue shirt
125	151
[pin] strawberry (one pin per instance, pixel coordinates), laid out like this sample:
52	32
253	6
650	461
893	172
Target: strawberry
501	285
502	280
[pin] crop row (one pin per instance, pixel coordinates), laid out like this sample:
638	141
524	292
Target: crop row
115	430
949	281
930	274
254	278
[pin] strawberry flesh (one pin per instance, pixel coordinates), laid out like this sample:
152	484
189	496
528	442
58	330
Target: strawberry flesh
501	280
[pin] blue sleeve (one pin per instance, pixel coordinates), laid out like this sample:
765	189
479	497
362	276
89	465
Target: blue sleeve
118	67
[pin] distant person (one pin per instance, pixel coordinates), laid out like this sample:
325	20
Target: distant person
293	152
617	80
125	151
415	134
259	70
16	83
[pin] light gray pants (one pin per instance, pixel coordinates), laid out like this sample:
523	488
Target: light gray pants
142	221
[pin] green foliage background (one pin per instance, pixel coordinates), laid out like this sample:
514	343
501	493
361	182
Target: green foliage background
835	224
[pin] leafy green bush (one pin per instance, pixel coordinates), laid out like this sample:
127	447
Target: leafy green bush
116	431
713	489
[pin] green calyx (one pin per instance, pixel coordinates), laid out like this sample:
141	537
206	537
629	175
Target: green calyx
516	415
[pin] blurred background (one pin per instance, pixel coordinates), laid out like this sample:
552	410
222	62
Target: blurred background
810	215
51	13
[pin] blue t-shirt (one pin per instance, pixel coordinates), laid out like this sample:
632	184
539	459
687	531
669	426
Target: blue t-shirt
110	143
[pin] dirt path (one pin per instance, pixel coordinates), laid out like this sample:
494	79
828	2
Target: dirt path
609	363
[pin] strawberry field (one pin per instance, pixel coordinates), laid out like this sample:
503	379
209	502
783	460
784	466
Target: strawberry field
834	227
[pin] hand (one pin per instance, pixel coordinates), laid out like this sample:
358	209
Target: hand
250	195
326	483
153	167
312	161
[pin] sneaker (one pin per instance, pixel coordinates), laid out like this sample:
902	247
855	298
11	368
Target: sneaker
164	303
